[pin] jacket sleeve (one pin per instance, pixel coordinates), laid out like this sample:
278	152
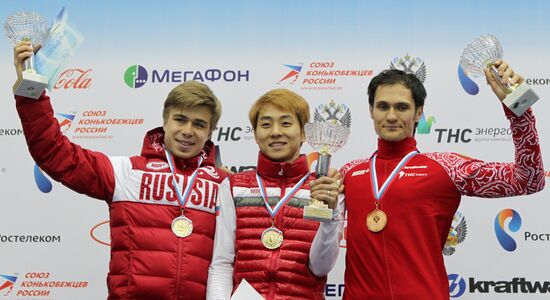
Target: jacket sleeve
473	177
220	273
350	165
326	244
84	171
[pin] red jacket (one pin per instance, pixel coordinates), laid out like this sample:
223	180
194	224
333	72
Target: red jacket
147	260
405	261
281	273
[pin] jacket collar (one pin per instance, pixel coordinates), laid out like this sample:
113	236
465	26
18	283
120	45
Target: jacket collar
275	170
153	147
393	150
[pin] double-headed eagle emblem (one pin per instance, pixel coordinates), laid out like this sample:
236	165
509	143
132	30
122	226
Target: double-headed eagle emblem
457	234
410	65
331	111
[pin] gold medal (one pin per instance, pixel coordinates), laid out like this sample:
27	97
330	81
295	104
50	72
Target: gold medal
272	238
376	220
182	227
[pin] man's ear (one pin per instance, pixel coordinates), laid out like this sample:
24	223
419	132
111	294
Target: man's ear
210	135
419	113
255	136
370	111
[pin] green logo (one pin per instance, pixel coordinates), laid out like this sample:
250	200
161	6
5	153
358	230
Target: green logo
425	125
135	76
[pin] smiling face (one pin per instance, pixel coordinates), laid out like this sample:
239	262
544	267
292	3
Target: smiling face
278	134
394	113
186	130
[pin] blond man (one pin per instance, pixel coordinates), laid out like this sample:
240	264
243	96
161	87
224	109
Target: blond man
161	203
261	235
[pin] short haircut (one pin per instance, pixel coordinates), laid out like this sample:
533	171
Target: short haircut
392	76
192	94
283	99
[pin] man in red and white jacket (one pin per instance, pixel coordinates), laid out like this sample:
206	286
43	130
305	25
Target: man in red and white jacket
161	203
261	235
401	202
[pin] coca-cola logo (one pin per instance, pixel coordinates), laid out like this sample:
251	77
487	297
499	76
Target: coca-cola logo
74	79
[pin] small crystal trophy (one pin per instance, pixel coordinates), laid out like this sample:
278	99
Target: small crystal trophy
28	26
326	138
484	52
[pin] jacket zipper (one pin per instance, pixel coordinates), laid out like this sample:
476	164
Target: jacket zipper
178	271
387	266
179	257
278	222
385	251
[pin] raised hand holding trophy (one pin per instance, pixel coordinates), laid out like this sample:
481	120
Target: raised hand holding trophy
326	138
484	52
59	42
28	26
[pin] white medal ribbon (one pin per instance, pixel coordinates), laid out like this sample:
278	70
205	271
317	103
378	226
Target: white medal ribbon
182	199
273	212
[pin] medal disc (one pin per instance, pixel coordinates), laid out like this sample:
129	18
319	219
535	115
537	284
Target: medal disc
182	226
377	220
272	238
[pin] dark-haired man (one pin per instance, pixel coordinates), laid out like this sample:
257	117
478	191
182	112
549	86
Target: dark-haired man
398	224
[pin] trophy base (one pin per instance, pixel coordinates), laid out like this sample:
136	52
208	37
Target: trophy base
317	213
30	85
520	99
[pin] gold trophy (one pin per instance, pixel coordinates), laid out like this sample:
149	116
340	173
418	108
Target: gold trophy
326	138
485	51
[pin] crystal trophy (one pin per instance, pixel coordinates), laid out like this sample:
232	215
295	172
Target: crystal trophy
484	52
28	26
326	138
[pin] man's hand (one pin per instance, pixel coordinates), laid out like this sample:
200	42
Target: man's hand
327	188
226	170
22	51
508	76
